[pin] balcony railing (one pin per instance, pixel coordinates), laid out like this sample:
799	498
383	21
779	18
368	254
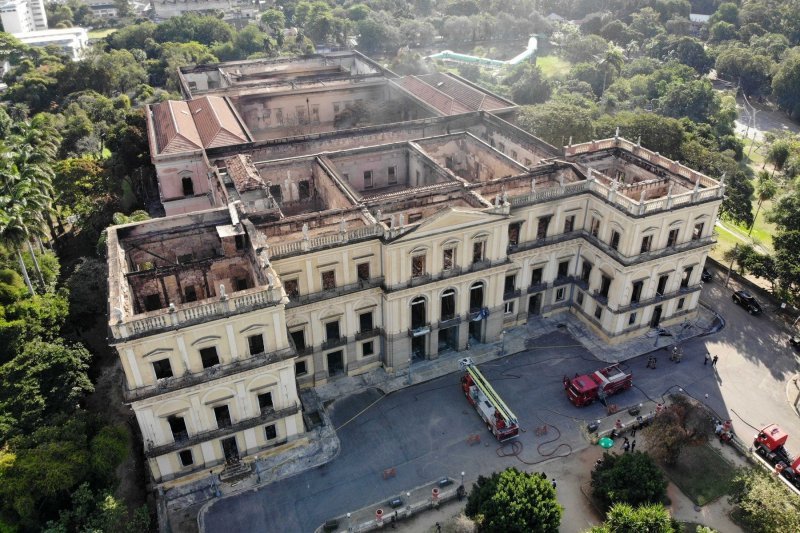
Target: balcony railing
369	333
269	415
508	295
420	329
537	287
196	312
333	343
360	285
444	274
163	386
658	298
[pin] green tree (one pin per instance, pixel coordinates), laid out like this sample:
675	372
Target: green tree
87	291
513	501
778	154
786	84
766	189
763	503
46	378
273	20
376	36
631	478
750	70
557	122
726	12
653	518
528	84
98	511
659	134
695	100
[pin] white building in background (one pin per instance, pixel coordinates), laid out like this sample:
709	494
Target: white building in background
20	16
72	41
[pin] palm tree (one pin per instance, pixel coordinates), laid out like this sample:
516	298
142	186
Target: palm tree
766	189
13	233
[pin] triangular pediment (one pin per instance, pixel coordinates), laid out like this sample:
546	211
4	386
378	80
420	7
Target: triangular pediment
450	219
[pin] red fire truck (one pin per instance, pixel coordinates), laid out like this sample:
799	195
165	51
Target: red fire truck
583	390
491	408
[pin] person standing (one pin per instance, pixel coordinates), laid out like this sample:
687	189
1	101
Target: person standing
706	358
633	445
626	447
714	360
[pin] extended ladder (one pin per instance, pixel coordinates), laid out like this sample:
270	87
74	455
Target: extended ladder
483	385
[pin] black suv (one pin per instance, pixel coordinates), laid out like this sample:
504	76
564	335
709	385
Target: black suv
706	276
746	300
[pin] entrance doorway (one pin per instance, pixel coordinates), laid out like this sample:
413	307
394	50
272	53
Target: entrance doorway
535	304
335	363
476	331
448	339
230	450
656	317
418	347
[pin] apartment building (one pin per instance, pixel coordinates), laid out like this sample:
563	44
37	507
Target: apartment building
346	249
23	16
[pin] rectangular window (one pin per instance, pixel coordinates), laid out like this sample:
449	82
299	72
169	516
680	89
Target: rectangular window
536	276
501	147
190	293
528	162
270	433
240	242
478	251
579	298
605	285
392	176
299	339
209	356
569	223
304	190
636	292
367	179
595	227
698	231
256	344
560	294
367	349
300	111
152	302
291	286
335	108
186	458
315	114
598	312
672	239
365	322
265	402
586	271
615	236
241	284
647	243
328	280
414	217
279	116
332	330
510	283
563	269
631	319
178	427
513	154
680	303
188	186
223	416
417	266
448	258
162	369
508	308
362	270
687	275
300	368
276	193
662	284
513	233
542	226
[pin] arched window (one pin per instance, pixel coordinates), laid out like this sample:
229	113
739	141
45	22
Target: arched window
448	305
419	313
476	296
188	186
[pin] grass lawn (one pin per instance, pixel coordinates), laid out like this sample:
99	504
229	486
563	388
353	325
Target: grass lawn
725	241
553	66
757	153
99	34
702	474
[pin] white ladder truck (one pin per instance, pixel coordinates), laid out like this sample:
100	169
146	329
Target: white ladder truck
491	408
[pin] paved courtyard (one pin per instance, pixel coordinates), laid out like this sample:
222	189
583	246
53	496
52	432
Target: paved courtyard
422	431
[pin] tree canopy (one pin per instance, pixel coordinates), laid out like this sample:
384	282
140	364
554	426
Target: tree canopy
631	478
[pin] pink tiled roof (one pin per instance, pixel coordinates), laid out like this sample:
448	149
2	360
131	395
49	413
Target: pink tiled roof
444	103
216	122
244	174
472	98
174	128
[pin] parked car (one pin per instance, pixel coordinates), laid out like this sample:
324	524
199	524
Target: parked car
746	300
706	276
